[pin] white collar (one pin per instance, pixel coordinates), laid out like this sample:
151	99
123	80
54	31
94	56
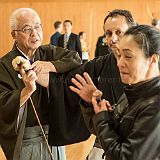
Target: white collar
21	51
68	34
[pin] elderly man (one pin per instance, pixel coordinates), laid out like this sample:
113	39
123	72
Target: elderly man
103	71
20	134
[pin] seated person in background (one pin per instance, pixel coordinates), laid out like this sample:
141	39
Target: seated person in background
58	29
156	23
85	49
101	46
129	130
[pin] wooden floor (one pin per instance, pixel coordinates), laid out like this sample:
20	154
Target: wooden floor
77	151
2	157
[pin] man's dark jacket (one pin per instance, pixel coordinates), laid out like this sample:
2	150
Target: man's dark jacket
104	73
73	43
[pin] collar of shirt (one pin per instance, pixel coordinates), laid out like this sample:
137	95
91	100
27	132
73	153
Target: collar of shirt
67	34
22	52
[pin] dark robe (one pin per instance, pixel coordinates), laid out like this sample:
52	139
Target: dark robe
10	90
105	75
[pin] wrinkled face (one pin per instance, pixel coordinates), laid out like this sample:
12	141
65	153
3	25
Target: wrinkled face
114	29
28	33
67	27
131	61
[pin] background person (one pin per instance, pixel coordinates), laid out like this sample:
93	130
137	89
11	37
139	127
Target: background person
58	30
156	23
101	46
85	49
69	40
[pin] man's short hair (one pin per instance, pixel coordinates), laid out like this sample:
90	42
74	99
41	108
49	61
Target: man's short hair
17	13
119	12
69	21
57	24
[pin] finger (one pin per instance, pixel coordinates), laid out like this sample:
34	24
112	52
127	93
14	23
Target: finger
94	102
88	78
110	108
107	105
22	71
81	79
74	89
76	83
37	69
103	104
31	73
97	94
34	64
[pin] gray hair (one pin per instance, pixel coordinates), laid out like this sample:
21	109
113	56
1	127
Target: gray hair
17	13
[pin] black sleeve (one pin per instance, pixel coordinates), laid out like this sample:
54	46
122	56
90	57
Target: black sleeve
66	123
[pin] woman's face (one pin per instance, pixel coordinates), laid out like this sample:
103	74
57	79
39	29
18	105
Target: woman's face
132	63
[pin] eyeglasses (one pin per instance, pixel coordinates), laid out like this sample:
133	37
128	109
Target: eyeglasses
29	29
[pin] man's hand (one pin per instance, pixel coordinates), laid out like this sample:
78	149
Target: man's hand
43	79
43	67
29	80
85	86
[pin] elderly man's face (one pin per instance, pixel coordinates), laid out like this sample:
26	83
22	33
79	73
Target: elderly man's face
28	33
114	29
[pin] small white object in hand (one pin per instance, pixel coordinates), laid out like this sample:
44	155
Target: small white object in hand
18	61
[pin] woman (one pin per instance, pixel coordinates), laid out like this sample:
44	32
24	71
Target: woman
130	129
85	48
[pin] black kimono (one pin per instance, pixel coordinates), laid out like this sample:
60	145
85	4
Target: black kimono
105	75
10	90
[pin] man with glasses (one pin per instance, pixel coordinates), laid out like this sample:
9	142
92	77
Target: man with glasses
20	134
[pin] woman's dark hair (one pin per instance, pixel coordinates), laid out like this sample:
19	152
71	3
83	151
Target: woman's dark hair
147	37
119	12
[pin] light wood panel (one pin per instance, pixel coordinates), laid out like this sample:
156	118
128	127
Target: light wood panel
79	11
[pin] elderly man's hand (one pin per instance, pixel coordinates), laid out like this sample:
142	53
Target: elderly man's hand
85	86
43	67
29	78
